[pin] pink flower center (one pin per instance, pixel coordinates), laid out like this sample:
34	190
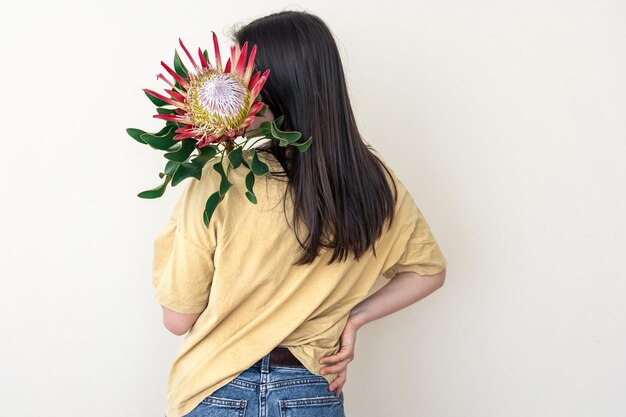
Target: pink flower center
223	94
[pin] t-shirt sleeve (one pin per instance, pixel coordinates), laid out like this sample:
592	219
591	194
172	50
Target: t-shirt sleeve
419	251
183	268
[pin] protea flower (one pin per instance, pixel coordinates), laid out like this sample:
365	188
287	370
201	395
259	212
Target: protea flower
214	104
211	107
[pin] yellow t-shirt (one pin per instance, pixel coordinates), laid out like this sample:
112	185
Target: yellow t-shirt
238	273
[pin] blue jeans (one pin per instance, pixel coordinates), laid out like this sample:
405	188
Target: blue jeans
272	391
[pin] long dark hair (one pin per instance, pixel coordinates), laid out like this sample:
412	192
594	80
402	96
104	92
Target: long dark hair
338	186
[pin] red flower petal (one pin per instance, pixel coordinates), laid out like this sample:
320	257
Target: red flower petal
218	58
208	140
257	78
259	85
254	80
248	121
184	136
189	55
177	77
161	76
172	118
256	107
242	60
233	55
165	99
250	67
227	67
203	59
176	96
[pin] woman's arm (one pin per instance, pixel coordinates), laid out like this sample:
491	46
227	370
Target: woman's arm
178	323
402	290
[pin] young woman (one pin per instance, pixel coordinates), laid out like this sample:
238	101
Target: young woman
271	295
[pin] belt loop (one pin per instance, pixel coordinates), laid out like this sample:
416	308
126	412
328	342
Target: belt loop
265	363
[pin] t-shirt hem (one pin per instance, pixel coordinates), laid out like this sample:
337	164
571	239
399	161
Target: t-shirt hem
178	306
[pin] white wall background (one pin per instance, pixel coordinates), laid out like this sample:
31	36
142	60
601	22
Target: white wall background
505	119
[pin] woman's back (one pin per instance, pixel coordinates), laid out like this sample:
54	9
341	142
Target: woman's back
239	275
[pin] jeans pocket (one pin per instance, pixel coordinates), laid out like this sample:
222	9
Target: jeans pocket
324	406
212	406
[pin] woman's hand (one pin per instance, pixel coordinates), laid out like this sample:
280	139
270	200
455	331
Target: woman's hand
339	361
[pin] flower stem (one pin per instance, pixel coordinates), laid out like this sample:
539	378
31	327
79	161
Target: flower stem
229	145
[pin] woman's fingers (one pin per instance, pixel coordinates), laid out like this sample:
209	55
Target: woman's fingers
347	343
335	368
338	383
339	356
339	361
330	359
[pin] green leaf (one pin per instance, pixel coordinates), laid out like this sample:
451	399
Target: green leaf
256	165
161	140
179	67
155	100
279	121
171	167
279	134
181	155
250	182
186	170
235	157
206	153
163	110
210	205
206	56
136	134
155	192
265	130
224	183
250	187
175	147
304	145
251	197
